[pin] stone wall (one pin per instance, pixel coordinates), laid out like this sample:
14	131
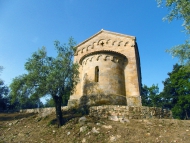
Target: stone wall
43	111
116	112
113	112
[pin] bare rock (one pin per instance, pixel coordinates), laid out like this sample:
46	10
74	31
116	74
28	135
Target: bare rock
82	120
113	118
21	134
114	138
124	120
83	128
83	140
94	130
147	122
107	126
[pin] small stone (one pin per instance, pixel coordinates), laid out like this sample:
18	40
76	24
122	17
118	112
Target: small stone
94	130
147	134
187	130
121	121
82	120
83	140
147	122
107	126
68	133
10	124
21	134
126	120
98	124
112	139
113	118
53	131
83	128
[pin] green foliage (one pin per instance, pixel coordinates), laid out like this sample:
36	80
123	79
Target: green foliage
55	76
50	101
176	92
179	9
182	52
150	96
175	95
4	90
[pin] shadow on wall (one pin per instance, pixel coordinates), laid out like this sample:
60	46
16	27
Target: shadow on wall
94	96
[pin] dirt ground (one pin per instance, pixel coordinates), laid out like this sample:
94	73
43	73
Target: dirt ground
22	128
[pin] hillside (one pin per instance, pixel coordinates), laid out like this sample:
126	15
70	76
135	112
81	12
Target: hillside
20	127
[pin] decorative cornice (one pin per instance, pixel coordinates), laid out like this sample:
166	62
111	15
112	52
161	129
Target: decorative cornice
104	42
100	54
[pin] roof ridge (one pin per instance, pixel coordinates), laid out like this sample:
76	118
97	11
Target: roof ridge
102	30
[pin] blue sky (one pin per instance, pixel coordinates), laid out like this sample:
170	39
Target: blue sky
27	25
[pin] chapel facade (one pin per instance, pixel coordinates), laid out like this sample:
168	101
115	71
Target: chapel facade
109	70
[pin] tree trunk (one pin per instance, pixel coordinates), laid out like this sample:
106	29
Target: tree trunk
186	116
58	101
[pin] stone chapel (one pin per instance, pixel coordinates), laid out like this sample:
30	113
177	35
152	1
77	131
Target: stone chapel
109	69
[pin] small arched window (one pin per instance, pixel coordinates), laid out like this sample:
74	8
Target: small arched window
96	74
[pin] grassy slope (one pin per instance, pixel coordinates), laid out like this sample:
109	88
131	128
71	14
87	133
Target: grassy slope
17	127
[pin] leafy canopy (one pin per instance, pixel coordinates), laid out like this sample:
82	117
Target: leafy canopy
150	96
176	92
55	76
179	9
47	75
4	90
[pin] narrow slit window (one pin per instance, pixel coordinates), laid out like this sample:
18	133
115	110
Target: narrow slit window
96	74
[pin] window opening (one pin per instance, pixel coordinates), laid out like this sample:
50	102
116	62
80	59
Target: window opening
96	74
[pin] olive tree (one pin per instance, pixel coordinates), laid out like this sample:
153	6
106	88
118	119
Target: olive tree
55	76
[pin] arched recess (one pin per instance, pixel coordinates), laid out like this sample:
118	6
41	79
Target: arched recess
126	43
83	50
77	52
120	43
88	47
114	43
109	42
102	42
